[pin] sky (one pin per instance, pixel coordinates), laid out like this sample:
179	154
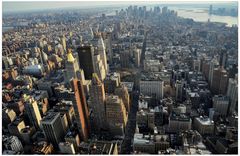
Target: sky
14	6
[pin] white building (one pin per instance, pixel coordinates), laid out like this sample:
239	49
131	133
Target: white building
204	125
152	87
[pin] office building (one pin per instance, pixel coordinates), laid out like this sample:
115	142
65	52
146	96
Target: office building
86	58
221	104
179	123
12	143
33	113
111	82
102	52
71	67
137	56
81	109
152	88
116	115
97	104
52	127
122	92
232	93
204	125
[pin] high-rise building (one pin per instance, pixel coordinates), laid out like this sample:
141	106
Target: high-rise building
111	82
116	115
219	81
97	103
125	59
71	68
52	127
33	113
102	53
179	90
213	65
12	143
86	58
232	93
99	68
137	57
81	109
122	92
220	104
109	47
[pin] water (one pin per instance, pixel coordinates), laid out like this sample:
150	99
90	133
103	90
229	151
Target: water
201	15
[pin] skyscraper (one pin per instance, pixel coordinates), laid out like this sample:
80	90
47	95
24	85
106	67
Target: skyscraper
86	56
33	113
97	98
81	109
102	53
71	67
232	93
220	104
52	127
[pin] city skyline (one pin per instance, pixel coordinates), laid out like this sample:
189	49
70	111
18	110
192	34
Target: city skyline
28	6
120	78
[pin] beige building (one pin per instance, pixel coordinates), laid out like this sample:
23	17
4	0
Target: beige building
115	113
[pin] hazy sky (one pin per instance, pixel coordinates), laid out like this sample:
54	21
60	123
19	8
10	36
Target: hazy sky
9	6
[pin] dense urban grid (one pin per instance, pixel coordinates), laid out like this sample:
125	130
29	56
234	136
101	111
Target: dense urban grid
138	80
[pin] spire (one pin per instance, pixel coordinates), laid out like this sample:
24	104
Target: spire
70	57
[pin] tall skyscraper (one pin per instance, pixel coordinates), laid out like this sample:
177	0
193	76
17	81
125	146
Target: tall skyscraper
232	93
102	53
219	81
86	58
109	47
52	127
81	109
179	90
213	65
137	57
97	98
33	113
220	104
71	67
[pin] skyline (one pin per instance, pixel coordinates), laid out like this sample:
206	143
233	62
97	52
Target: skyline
26	6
